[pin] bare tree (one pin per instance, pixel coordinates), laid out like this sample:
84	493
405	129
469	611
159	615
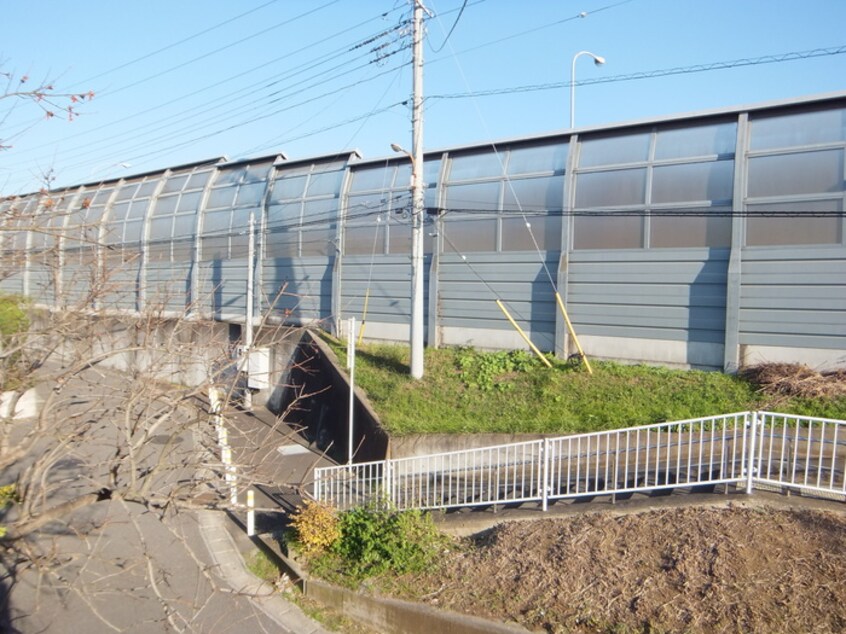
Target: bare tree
122	446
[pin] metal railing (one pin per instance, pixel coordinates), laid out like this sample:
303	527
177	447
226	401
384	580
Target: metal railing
784	451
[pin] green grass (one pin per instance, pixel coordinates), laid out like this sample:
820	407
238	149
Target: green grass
467	391
262	566
13	318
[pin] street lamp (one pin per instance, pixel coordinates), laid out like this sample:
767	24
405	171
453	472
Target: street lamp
416	330
599	61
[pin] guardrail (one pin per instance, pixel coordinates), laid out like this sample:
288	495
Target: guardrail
785	451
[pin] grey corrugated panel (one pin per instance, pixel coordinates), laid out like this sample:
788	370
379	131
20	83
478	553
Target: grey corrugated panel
12	284
702	271
543	328
786	278
305	284
833	301
665	334
599	294
791	340
692	254
799	321
696	324
505	292
794	252
495	257
795	291
520	311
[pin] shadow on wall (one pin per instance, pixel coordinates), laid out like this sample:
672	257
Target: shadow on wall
314	399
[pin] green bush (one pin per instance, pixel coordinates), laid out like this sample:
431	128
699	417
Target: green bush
13	318
375	541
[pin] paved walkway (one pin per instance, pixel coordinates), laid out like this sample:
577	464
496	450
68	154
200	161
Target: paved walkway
281	464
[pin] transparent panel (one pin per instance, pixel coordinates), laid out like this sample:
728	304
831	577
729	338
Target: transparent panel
802	229
138	209
472	198
256	173
801	173
544	158
704	140
239	246
216	222
473	166
229	177
320	212
288	188
184	225
367	205
216	248
431	172
400	203
318	242
399	237
158	251
119	211
693	182
127	191
161	228
189	202
198	180
546	231
692	228
221	198
608	231
615	150
364	240
132	232
611	189
147	188
102	196
175	183
165	205
807	128
470	235
241	220
283	244
183	251
372	178
284	215
402	179
251	194
325	184
535	194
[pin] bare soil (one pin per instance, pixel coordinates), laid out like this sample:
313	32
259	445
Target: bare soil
729	569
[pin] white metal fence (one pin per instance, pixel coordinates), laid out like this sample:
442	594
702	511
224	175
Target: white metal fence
784	451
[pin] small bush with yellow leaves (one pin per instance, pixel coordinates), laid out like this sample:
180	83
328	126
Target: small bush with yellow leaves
316	526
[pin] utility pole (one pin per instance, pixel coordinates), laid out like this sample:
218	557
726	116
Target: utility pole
417	211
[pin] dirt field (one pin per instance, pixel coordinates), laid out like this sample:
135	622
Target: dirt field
731	569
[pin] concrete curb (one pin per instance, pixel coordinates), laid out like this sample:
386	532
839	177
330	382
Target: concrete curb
231	567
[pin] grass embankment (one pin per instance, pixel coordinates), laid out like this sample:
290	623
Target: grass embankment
13	321
467	391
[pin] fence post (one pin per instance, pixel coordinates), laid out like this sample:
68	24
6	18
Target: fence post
752	430
545	487
251	513
389	483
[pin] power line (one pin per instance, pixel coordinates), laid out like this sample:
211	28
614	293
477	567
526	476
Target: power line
177	43
681	70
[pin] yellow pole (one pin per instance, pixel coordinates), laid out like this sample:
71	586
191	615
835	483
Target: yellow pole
523	334
573	332
363	316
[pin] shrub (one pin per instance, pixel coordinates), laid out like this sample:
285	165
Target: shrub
316	527
375	541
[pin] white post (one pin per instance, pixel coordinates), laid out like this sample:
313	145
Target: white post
251	513
752	430
351	365
417	212
248	330
545	485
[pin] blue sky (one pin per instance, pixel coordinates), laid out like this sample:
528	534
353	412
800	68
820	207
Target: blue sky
182	81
